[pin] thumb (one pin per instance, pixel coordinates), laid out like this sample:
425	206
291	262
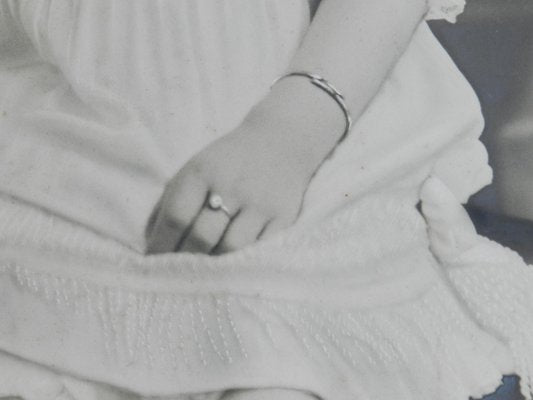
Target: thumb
451	232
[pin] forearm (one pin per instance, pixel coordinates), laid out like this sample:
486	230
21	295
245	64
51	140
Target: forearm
354	44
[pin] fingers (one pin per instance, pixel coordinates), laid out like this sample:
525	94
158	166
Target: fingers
443	210
179	208
206	232
244	230
450	229
274	226
185	221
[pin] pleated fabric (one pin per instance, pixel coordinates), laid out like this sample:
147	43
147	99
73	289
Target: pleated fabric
118	95
104	101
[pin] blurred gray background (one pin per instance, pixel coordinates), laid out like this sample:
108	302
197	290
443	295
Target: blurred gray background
492	43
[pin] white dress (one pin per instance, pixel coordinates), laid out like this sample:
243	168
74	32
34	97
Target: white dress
102	101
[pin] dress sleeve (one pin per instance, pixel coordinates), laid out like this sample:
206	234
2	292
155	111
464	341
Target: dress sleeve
445	9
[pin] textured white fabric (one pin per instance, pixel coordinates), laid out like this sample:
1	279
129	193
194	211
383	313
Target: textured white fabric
493	281
354	305
102	101
306	310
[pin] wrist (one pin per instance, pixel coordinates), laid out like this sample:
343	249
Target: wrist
300	117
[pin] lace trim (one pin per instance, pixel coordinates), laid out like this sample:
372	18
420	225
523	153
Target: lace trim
170	335
445	9
128	330
495	284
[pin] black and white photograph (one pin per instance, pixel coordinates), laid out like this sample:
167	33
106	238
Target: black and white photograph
266	199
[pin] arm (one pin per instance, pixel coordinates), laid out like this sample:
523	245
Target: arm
262	168
353	44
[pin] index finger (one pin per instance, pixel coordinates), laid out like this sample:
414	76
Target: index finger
180	205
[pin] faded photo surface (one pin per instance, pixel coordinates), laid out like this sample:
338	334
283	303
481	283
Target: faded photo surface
266	199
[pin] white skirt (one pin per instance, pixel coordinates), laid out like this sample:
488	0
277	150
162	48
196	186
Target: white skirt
105	100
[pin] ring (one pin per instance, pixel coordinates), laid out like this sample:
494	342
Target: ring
216	203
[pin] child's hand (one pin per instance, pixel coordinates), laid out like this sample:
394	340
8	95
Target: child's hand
259	181
260	171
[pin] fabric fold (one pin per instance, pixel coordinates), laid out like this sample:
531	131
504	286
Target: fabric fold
368	319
